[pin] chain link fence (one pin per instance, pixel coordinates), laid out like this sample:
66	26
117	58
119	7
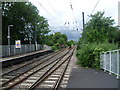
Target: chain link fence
110	61
23	49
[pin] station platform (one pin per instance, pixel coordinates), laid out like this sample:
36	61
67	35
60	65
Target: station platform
83	78
22	57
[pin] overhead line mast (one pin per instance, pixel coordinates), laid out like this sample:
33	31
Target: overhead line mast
93	9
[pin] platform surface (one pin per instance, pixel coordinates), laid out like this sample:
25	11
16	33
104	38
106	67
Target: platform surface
21	55
91	78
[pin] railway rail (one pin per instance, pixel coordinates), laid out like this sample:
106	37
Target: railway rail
24	64
51	72
14	67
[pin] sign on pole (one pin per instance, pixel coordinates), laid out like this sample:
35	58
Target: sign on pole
17	43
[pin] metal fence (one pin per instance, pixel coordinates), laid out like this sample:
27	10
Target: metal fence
110	61
23	49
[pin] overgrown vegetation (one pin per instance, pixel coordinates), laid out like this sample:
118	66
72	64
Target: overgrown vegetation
89	54
99	35
58	40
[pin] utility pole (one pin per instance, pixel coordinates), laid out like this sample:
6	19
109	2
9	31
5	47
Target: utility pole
83	24
83	21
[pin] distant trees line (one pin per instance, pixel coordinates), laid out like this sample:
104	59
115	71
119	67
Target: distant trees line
58	40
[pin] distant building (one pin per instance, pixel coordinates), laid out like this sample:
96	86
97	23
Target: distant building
119	13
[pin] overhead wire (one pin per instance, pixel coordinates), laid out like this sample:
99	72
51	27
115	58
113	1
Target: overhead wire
50	5
67	23
56	15
45	10
74	21
52	30
93	9
51	8
49	14
72	13
53	11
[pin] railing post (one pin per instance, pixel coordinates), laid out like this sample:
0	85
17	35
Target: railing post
101	61
118	64
110	63
104	61
115	64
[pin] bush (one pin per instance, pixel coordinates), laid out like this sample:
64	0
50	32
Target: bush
89	54
55	47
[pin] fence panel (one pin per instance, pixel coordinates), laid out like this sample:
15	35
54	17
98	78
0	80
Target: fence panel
107	61
5	51
110	61
12	49
114	63
23	49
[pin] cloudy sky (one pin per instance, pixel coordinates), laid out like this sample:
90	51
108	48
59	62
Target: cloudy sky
65	16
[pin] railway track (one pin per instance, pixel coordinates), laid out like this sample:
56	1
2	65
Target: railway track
49	73
10	69
17	66
24	68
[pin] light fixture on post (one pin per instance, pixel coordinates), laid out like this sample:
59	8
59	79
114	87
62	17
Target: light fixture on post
9	38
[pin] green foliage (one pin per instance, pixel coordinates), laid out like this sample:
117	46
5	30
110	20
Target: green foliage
56	40
71	43
61	41
59	38
89	54
99	29
99	35
117	37
49	40
26	22
55	47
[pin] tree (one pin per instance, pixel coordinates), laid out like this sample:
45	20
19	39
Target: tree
56	40
117	37
99	35
61	41
99	28
26	22
49	40
71	43
60	38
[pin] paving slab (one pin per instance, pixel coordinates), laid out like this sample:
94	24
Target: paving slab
92	78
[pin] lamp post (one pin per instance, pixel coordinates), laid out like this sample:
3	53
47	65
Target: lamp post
36	39
9	38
